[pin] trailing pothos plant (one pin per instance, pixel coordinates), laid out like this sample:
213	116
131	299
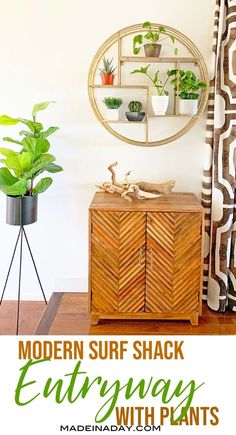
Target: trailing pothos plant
21	168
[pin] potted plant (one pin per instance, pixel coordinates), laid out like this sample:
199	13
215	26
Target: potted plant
21	168
152	40
112	104
188	85
161	100
107	72
135	113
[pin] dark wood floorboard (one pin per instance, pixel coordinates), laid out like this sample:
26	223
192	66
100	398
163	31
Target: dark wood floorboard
71	318
30	314
66	314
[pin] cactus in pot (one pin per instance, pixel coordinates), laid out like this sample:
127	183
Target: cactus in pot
135	113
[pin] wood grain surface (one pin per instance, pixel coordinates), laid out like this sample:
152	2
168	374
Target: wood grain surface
72	318
174	201
173	268
117	261
30	314
145	257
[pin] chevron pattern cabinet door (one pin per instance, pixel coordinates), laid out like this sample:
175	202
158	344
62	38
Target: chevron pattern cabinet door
173	263
118	261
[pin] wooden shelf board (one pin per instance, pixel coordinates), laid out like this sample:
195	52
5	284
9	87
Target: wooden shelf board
159	59
123	122
120	86
173	116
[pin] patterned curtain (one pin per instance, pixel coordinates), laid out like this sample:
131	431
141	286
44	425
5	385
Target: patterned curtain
219	186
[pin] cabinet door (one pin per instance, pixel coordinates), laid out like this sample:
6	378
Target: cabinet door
173	262
118	261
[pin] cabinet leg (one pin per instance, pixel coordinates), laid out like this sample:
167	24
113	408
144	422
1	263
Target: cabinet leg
94	319
194	319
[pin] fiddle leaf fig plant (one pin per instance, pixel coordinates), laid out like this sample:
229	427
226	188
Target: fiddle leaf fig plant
21	168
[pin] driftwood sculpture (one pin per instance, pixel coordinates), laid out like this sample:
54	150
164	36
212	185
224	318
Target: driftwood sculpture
138	190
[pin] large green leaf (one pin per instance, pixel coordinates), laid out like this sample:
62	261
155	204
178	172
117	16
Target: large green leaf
7	120
53	168
32	125
36	147
40	164
19	163
40	106
29	144
17	189
9	139
26	133
42	185
11	185
6	152
49	131
6	178
138	39
42	146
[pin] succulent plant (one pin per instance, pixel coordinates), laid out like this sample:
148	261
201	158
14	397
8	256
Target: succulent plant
113	102
108	67
135	106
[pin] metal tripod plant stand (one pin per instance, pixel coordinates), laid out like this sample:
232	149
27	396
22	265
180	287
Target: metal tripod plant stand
21	211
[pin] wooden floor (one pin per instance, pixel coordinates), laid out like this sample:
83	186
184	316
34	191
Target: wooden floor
66	314
30	314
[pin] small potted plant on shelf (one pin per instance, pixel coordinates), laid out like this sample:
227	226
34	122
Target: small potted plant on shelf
135	113
161	100
107	72
112	104
188	86
152	41
21	168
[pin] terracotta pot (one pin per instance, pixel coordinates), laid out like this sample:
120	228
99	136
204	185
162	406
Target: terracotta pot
152	50
107	79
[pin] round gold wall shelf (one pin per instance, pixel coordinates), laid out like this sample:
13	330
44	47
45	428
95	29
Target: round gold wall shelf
115	46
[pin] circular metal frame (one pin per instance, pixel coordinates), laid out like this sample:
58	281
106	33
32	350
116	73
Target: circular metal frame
116	37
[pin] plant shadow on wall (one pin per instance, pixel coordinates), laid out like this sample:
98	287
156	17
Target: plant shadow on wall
22	167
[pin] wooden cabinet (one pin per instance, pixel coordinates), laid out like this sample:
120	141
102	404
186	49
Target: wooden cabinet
145	258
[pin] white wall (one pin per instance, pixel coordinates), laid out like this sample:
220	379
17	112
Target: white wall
46	48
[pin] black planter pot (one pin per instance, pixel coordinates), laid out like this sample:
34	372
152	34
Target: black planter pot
21	210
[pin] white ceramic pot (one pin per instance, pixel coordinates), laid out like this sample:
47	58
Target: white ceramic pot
112	114
188	107
160	104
